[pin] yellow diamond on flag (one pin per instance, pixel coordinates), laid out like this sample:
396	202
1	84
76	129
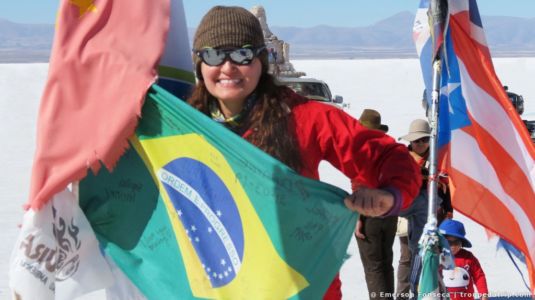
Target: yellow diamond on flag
84	6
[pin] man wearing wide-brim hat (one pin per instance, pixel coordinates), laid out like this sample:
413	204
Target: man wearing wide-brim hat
372	119
375	235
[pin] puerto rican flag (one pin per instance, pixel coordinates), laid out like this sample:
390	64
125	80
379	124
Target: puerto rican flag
483	143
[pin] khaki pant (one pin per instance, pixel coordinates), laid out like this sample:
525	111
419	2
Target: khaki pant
404	269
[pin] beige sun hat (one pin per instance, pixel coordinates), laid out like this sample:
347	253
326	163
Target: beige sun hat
371	118
419	129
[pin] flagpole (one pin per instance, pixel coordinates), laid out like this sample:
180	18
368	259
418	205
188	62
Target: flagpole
438	15
433	151
429	282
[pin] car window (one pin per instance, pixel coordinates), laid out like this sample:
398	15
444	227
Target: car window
311	90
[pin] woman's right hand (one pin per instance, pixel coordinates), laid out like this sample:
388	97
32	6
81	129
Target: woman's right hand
370	202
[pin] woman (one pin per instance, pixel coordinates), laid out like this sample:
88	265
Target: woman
235	89
419	138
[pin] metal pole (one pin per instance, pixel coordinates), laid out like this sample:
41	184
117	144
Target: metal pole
433	151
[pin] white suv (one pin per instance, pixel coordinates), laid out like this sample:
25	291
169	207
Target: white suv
312	89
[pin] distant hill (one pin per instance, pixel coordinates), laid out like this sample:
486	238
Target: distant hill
25	42
389	38
392	38
510	36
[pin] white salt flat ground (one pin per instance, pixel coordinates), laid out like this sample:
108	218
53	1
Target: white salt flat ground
391	86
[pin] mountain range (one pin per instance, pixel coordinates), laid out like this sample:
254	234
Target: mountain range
388	38
392	38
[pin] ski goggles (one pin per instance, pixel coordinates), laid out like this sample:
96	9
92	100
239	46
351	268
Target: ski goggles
241	56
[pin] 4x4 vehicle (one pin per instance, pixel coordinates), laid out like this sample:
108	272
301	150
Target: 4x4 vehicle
518	103
516	99
312	89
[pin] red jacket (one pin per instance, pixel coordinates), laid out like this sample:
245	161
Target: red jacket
466	260
325	132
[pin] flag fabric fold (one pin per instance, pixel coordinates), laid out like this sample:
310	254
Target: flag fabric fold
100	69
421	35
205	214
57	254
428	285
482	141
436	256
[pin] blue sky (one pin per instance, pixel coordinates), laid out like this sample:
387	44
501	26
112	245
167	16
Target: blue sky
300	13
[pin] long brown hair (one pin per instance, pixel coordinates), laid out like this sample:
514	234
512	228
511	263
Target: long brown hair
270	120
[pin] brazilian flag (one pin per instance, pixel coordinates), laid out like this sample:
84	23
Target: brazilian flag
193	211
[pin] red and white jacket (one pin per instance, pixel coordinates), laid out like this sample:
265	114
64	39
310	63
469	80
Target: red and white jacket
470	268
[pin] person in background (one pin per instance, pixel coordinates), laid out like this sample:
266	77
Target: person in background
404	265
271	56
418	138
375	236
468	273
235	89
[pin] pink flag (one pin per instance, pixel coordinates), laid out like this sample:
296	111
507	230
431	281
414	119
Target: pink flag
103	60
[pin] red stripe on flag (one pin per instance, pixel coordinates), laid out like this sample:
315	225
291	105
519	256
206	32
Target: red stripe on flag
490	212
511	176
461	21
481	70
480	204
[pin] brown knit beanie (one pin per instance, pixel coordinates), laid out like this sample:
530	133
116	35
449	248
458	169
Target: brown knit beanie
228	26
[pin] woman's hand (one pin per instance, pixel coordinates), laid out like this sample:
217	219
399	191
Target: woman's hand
370	202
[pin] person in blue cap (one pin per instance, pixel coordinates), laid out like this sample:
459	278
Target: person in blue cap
468	272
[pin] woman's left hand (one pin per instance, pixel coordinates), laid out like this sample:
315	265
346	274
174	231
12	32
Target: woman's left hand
358	230
370	202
